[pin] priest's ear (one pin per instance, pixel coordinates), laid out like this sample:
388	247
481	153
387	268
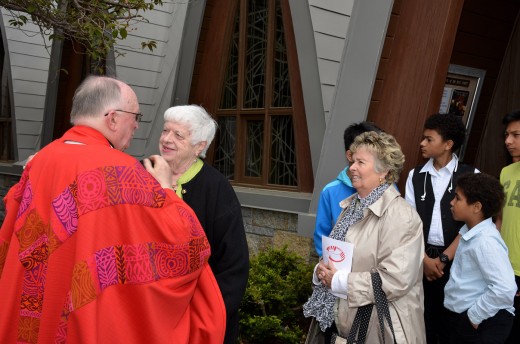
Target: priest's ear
111	120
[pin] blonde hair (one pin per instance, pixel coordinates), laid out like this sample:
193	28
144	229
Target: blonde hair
386	150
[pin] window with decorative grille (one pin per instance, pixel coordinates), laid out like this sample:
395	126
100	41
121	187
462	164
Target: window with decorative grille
251	84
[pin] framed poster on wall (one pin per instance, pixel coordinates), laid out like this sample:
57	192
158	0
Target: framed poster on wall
460	95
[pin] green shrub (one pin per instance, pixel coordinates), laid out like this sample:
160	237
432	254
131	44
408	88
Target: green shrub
271	312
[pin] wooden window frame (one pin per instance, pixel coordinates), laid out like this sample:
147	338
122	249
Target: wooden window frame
213	50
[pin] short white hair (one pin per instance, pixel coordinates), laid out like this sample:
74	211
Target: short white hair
201	125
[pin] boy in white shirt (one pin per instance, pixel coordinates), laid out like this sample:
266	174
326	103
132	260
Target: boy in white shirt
482	285
429	189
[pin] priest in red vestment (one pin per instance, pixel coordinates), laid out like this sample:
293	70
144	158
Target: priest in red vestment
94	249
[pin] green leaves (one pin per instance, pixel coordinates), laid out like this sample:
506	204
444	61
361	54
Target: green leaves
95	24
151	45
271	312
18	21
123	33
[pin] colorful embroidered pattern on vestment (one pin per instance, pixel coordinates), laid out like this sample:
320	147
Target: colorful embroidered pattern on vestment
133	264
92	190
130	264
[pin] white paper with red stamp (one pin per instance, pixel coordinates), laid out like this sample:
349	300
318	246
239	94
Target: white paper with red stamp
338	252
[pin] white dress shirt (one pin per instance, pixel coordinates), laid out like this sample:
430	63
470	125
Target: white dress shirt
441	180
482	280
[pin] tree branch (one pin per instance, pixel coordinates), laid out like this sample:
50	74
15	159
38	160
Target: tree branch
95	24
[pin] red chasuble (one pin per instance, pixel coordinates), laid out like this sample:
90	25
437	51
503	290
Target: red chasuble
93	250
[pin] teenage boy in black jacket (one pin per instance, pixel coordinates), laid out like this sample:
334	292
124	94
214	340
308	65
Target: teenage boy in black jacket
430	189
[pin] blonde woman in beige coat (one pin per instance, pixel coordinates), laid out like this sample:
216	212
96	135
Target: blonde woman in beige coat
387	236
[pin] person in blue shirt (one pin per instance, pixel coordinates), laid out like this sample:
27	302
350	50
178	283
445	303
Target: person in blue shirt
339	189
481	288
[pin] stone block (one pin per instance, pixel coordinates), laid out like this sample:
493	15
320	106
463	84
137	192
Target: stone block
247	215
292	223
271	219
297	244
258	243
260	230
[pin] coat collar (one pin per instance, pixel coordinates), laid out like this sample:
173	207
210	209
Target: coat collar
379	206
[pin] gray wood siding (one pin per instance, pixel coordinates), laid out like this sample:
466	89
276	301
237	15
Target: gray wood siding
29	57
152	73
330	20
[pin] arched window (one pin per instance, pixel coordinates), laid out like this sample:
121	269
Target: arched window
247	76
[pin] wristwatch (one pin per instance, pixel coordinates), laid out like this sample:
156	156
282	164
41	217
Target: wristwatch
444	258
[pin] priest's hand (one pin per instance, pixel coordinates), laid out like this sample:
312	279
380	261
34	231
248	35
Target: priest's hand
160	170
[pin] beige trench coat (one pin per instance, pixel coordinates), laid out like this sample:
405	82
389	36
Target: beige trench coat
389	238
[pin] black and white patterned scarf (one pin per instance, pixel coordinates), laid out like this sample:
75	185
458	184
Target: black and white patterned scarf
321	303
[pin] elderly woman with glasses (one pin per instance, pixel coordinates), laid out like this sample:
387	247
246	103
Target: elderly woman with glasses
187	133
388	249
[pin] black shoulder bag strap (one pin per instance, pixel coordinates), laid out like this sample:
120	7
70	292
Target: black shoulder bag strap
362	318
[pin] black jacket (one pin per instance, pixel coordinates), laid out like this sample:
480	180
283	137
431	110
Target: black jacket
424	207
216	205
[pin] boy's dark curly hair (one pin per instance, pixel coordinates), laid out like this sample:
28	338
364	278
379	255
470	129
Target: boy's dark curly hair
449	127
483	188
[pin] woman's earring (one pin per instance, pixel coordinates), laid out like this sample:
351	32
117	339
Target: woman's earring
381	180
